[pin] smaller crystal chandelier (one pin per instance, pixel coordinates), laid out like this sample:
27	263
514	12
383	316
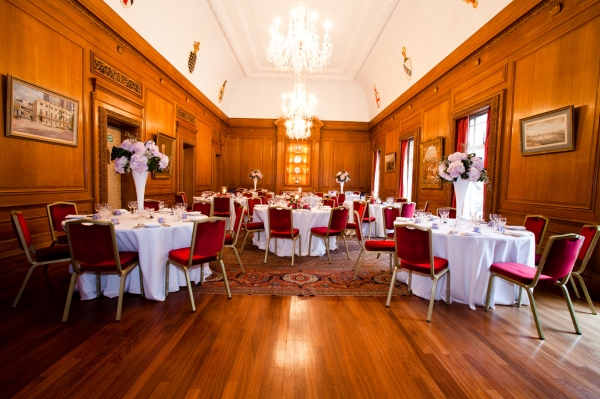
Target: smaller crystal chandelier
300	49
297	112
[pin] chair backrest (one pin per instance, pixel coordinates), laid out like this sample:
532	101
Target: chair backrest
338	219
281	219
401	200
590	233
239	218
247	195
263	199
318	194
341	198
559	257
93	245
221	204
537	224
414	244
390	213
57	211
359	233
426	206
329	202
23	236
180	198
451	213
269	196
408	209
252	202
208	237
204	207
361	207
150	203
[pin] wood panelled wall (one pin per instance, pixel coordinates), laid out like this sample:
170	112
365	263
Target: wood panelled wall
52	44
261	144
542	61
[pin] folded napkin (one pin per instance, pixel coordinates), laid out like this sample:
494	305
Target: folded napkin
194	213
467	233
515	228
151	224
518	233
77	217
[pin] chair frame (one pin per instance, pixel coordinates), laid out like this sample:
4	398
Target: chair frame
187	266
363	253
236	235
577	273
538	246
29	251
120	271
432	274
292	237
326	236
366	212
247	231
528	287
52	231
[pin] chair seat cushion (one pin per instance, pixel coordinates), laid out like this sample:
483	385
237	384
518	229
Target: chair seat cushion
284	234
255	226
390	235
228	239
322	231
369	219
127	259
538	258
182	256
52	253
521	273
439	264
380	246
221	213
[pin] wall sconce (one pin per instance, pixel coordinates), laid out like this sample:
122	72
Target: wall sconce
224	189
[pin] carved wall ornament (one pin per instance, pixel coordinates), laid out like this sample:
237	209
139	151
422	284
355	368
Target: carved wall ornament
222	91
126	3
102	68
555	10
377	98
407	65
474	2
120	50
193	57
186	116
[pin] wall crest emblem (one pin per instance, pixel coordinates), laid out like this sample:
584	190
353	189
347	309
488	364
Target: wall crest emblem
193	57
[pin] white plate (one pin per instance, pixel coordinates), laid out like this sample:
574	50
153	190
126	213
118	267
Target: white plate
517	233
76	217
467	233
520	228
195	213
151	224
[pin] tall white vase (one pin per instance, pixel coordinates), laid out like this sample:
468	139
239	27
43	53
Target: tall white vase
341	187
255	181
460	190
140	178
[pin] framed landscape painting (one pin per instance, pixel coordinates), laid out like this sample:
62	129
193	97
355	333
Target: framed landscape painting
548	132
35	113
431	155
390	162
166	145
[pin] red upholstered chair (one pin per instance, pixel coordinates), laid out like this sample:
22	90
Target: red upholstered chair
281	225
57	212
414	251
408	209
318	194
356	192
329	202
251	227
537	224
366	217
555	269
399	199
370	246
335	228
232	239
451	214
208	240
341	198
204	207
269	196
221	207
247	195
150	203
93	246
361	207
390	213
40	257
252	202
590	234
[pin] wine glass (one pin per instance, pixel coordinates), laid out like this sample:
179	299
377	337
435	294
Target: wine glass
501	223
98	208
161	205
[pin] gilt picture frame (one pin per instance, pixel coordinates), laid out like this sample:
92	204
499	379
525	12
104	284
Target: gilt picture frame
166	145
390	162
36	113
431	155
548	132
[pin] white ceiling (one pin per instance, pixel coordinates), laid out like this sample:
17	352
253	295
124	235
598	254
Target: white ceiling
367	38
356	25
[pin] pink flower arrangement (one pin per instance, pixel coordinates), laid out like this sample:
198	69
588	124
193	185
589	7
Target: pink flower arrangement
464	166
256	174
133	155
342	177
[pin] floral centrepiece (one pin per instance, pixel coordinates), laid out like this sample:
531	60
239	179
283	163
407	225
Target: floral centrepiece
256	174
133	155
464	166
342	177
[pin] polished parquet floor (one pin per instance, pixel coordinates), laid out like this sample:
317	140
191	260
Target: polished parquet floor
256	346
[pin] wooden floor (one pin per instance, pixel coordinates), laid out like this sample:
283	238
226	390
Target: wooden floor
286	347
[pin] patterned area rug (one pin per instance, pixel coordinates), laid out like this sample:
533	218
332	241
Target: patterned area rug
310	276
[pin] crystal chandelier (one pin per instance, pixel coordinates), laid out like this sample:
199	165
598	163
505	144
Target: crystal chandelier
300	50
297	112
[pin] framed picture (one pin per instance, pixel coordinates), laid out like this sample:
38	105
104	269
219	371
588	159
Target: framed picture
390	162
35	113
431	155
548	132
166	145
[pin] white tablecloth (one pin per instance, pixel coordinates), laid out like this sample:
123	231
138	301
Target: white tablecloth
153	246
470	259
303	221
352	197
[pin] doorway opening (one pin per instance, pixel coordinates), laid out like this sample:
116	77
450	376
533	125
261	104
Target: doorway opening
187	185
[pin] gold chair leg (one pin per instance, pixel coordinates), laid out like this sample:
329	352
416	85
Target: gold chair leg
489	291
432	299
575	290
14	305
326	239
571	310
391	266
267	250
535	313
244	242
167	279
586	293
69	297
519	298
189	286
225	279
346	244
238	258
121	290
392	283
359	262
310	243
448	287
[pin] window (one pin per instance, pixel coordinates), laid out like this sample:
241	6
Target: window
377	156
408	151
476	141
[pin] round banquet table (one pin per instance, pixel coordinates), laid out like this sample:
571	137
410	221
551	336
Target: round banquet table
303	220
153	246
241	200
469	259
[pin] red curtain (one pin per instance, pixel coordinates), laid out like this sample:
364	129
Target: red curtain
462	135
403	155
